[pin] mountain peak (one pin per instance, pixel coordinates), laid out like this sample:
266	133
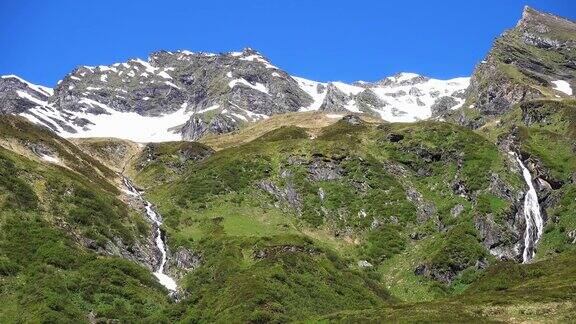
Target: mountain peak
250	51
533	17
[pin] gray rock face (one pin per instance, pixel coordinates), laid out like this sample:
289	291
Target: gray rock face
443	105
143	251
325	169
367	101
335	100
182	261
229	88
197	81
425	208
286	194
17	95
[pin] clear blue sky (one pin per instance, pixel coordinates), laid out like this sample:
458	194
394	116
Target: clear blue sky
43	40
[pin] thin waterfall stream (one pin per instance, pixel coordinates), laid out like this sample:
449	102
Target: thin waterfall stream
163	278
532	216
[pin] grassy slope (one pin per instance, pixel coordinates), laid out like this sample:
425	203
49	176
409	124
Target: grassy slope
263	258
217	202
313	122
116	154
505	292
45	275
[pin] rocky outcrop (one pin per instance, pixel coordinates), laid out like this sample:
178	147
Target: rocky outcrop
442	106
426	209
17	95
323	168
142	251
196	127
445	276
287	194
181	261
335	100
174	156
502	242
274	251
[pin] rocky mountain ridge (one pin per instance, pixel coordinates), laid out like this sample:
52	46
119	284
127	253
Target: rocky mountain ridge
185	95
535	59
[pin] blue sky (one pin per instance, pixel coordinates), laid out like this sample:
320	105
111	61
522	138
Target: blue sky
322	40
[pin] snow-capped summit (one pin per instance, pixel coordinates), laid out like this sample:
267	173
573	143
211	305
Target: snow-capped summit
185	95
403	97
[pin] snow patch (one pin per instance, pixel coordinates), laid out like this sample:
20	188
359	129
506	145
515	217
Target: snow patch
130	125
257	86
27	96
164	75
403	76
104	68
311	88
258	58
149	68
347	89
214	107
563	86
50	159
171	84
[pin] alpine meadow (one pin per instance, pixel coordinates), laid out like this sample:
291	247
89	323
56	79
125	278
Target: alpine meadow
194	187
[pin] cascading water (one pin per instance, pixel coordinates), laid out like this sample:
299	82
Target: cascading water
532	216
164	279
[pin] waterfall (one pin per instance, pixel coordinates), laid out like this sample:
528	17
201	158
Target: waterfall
532	216
164	279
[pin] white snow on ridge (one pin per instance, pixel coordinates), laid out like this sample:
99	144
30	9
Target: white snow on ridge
258	58
563	86
347	88
411	108
403	102
27	96
164	75
131	125
214	107
311	88
149	68
403	76
42	89
126	125
258	86
50	159
171	84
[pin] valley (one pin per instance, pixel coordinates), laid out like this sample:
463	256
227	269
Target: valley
196	187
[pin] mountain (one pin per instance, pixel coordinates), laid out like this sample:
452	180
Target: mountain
535	59
184	95
297	200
